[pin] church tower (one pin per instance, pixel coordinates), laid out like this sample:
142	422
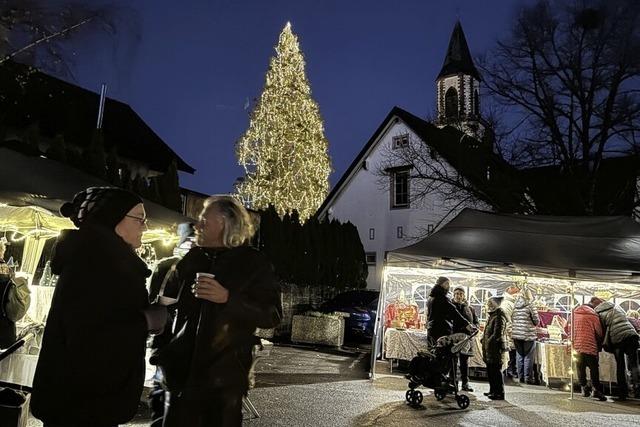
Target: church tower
458	87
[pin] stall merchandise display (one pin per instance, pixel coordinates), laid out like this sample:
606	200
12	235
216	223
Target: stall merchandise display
552	352
563	260
48	278
401	315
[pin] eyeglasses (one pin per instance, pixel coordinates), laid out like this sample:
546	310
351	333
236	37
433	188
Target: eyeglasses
142	221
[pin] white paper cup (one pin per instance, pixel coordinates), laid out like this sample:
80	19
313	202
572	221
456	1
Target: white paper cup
199	275
165	301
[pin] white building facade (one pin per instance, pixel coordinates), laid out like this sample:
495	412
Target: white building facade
385	216
381	205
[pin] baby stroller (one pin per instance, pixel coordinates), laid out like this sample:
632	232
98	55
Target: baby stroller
436	369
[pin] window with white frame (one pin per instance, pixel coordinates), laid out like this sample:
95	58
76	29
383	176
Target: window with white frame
628	304
478	298
371	258
421	296
400	188
400	141
562	303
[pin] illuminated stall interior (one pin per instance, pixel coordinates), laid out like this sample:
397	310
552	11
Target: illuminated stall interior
557	258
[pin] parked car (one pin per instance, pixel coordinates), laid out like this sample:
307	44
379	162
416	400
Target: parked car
362	306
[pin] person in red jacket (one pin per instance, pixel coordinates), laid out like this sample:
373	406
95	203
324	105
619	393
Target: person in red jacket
587	341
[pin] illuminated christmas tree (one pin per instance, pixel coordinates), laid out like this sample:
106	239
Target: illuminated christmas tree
284	151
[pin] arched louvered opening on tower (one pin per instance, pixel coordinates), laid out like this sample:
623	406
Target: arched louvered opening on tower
451	104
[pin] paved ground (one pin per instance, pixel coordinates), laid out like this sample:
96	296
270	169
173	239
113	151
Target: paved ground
381	403
318	387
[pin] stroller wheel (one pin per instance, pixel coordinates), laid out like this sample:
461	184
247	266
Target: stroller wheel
440	393
409	395
416	398
463	401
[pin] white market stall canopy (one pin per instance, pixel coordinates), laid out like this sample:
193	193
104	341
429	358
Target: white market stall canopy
26	217
598	249
31	219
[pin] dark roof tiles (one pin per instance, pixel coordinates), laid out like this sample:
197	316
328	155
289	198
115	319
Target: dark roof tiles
458	59
61	108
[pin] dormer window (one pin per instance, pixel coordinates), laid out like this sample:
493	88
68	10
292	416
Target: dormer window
400	141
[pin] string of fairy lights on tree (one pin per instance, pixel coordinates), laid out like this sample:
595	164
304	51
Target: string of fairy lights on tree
284	150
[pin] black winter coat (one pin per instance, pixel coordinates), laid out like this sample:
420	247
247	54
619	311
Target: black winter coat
494	340
441	314
211	344
7	326
469	315
91	366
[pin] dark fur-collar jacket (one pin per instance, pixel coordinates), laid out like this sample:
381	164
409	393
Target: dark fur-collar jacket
214	341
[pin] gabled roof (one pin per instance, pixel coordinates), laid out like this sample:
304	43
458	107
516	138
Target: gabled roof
61	108
467	155
458	59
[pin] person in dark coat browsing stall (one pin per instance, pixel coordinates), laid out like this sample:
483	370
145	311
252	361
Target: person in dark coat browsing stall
494	344
441	313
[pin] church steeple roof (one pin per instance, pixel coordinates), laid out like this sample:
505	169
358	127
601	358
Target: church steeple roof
458	59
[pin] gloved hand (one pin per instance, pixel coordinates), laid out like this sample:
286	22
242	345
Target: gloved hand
156	316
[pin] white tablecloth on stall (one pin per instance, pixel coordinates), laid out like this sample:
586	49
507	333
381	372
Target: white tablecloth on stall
554	360
18	369
607	367
476	361
41	297
404	344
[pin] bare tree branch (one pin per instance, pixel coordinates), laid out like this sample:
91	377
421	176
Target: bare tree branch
571	72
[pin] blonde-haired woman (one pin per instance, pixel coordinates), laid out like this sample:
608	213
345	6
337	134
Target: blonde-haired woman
206	364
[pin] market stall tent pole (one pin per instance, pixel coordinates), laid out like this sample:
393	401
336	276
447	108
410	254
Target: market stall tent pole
377	326
573	307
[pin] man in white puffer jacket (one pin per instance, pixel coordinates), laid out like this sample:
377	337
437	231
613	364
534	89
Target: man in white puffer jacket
621	339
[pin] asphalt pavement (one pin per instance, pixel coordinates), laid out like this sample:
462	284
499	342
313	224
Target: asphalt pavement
312	386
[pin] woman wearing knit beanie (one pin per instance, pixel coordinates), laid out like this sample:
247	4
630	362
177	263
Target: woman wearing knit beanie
91	366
